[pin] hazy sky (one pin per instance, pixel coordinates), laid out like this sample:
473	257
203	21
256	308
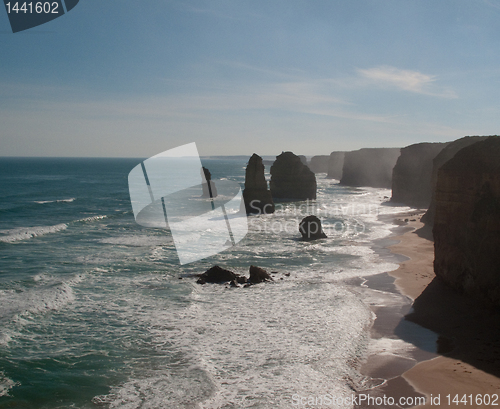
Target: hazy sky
135	78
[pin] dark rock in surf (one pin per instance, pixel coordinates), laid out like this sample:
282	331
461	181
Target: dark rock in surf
216	274
258	275
311	229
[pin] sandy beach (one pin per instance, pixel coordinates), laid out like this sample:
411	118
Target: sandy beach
465	357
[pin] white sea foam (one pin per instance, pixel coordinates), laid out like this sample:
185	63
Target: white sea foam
139	240
247	348
24	233
92	218
72	199
40	299
6	384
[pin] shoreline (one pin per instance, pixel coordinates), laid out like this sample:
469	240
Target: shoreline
436	365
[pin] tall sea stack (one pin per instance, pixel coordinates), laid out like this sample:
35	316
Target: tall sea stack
442	157
369	167
208	186
257	197
291	179
412	175
467	221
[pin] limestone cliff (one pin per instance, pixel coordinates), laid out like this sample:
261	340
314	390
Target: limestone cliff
319	163
291	179
441	158
257	197
411	177
467	221
369	167
335	165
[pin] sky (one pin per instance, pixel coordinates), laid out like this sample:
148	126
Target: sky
124	78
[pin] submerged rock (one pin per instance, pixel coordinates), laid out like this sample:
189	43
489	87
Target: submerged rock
467	221
311	229
291	179
257	197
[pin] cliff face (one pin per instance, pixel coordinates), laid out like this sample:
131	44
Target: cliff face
319	163
467	221
291	179
256	196
412	175
303	159
369	167
335	165
441	158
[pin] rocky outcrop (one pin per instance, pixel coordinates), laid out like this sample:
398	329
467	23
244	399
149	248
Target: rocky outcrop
319	163
257	197
369	167
216	274
442	157
310	228
412	175
258	275
335	165
209	189
303	159
291	179
467	221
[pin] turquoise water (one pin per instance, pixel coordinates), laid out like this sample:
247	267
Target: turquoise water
96	311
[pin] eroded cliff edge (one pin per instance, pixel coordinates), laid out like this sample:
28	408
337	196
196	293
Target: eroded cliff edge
467	221
412	175
369	167
441	158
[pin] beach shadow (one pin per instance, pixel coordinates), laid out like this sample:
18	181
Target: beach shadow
468	332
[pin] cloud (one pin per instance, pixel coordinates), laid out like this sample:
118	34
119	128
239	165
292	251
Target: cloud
406	80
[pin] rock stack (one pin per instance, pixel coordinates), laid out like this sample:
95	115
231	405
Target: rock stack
209	189
291	179
257	197
311	229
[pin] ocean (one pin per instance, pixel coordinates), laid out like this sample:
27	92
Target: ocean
97	311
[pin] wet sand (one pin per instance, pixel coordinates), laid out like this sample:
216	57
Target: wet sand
456	343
